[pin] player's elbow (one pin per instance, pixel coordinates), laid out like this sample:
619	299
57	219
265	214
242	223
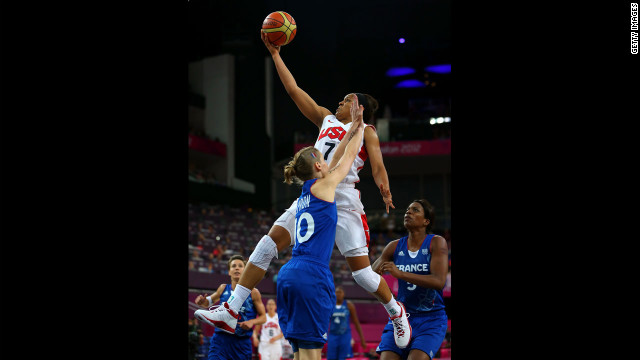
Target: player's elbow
442	281
292	89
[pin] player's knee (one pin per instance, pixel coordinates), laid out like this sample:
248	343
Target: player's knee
367	279
281	237
264	252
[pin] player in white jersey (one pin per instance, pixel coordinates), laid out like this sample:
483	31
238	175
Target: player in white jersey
352	231
269	341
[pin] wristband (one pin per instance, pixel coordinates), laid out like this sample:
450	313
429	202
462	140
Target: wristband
209	300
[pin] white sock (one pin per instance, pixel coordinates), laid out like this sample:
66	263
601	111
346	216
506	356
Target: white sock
393	309
238	296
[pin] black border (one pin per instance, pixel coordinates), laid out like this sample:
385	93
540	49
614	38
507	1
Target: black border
94	152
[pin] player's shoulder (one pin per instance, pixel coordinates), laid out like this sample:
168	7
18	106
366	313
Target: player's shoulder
393	244
437	239
370	134
390	248
330	120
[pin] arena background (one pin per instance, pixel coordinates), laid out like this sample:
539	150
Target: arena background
243	128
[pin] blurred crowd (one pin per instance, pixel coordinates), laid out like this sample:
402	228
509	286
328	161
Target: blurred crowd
218	231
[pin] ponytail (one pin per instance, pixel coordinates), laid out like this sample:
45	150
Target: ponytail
289	172
300	169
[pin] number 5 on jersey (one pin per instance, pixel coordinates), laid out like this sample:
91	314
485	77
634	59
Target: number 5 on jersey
310	227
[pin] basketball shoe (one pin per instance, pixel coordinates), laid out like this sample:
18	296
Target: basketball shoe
221	317
401	328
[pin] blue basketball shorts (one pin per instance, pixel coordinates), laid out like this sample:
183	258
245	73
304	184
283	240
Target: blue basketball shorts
339	346
225	346
305	299
427	334
296	345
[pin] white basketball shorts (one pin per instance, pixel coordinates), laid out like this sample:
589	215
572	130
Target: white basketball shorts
270	351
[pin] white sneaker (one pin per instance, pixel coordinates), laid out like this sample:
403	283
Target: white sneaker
221	317
401	328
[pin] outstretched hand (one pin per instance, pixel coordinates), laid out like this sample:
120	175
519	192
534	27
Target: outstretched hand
356	113
273	49
246	325
202	300
391	268
386	197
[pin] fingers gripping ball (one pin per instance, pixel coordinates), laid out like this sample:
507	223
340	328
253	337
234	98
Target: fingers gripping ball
280	28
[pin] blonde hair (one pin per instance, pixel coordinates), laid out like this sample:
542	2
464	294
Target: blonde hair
300	169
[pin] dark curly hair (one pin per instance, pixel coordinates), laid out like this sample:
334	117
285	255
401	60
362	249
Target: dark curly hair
429	212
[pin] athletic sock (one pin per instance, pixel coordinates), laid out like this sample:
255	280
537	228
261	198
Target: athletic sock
238	296
393	309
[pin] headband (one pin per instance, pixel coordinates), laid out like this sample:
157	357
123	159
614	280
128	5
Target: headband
362	100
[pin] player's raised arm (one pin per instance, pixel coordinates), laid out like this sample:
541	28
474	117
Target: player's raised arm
341	168
379	172
304	102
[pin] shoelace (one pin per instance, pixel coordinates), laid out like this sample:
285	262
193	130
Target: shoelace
398	323
214	308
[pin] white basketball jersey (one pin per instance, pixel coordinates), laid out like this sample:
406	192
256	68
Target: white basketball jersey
270	328
331	133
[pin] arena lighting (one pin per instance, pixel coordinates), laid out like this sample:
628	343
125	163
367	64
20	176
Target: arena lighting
400	71
439	120
411	83
439	69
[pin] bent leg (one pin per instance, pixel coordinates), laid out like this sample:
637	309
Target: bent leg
382	293
252	274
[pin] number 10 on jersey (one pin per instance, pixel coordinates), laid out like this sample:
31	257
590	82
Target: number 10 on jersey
310	227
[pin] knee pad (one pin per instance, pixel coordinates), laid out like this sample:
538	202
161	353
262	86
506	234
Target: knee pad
367	279
264	252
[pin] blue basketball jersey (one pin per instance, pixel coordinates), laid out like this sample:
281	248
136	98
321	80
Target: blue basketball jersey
340	319
416	299
316	221
247	311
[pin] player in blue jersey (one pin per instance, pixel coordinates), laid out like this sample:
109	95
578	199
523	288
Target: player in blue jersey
223	344
420	262
339	342
305	290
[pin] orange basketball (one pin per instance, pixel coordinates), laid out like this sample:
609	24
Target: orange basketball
280	28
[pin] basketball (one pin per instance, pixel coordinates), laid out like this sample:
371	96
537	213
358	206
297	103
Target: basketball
280	28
